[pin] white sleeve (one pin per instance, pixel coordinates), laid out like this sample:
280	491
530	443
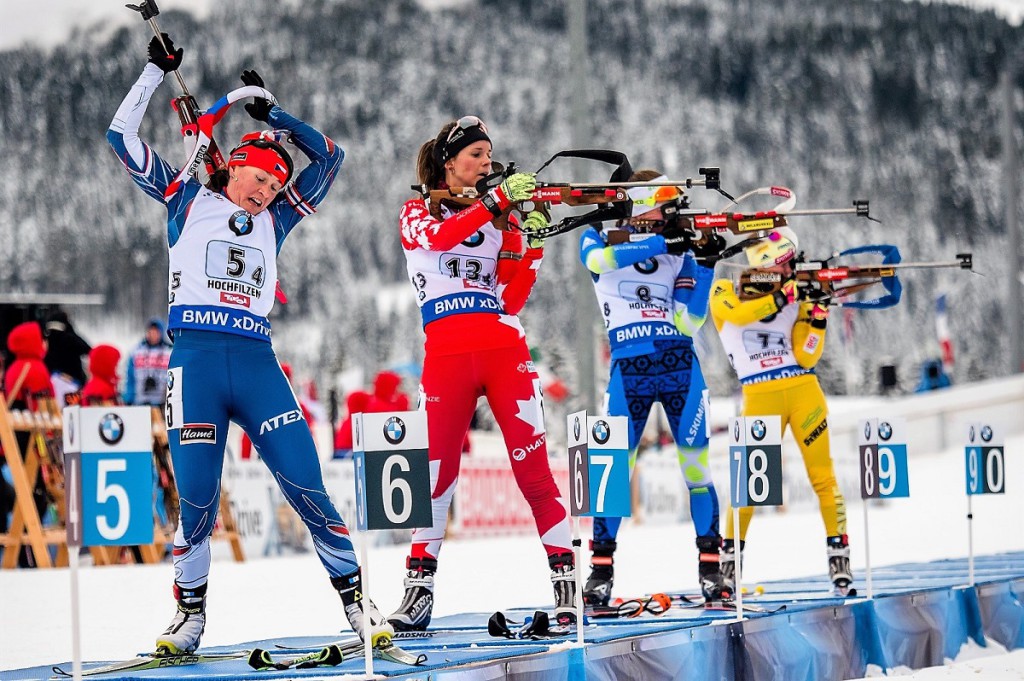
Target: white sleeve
129	115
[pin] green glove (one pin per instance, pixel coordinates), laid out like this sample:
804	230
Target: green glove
519	187
533	223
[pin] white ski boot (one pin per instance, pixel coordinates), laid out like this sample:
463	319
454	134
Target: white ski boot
414	612
186	628
361	611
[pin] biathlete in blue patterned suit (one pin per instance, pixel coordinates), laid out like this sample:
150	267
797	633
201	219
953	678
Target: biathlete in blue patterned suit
223	241
654	297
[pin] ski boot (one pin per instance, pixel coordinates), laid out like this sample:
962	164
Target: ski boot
712	583
186	628
727	566
361	612
563	579
839	565
414	612
598	589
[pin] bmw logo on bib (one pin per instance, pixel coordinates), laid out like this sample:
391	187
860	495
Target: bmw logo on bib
111	429
474	239
649	266
240	223
394	430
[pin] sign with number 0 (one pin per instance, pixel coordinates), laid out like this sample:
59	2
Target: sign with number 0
599	465
986	473
392	469
883	458
755	461
108	459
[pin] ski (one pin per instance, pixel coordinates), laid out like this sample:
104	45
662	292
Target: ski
386	650
152	661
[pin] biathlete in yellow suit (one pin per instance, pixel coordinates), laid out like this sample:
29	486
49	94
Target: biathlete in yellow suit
773	342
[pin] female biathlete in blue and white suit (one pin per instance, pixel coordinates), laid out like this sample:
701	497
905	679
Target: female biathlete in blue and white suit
654	297
223	243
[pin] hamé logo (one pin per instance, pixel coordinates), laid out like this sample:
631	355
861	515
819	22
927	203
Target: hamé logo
240	223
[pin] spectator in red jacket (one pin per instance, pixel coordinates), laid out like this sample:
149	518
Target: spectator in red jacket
27	379
101	388
356	402
26	382
386	395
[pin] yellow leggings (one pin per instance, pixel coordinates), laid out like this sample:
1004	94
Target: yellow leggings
801	404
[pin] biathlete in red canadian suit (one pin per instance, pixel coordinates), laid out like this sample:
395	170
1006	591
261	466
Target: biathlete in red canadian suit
471	279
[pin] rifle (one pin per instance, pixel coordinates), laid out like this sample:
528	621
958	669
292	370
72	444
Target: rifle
184	104
697	225
825	281
611	196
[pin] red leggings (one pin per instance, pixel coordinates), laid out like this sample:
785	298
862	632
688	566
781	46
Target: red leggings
450	387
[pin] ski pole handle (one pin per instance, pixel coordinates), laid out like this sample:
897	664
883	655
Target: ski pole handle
149	12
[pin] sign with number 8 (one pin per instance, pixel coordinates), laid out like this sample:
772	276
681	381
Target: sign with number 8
755	461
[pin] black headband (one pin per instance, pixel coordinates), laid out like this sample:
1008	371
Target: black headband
461	138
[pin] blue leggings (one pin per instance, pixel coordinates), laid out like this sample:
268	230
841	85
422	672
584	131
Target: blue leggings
672	376
217	377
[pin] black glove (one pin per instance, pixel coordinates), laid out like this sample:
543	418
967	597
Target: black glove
168	60
711	250
259	108
678	243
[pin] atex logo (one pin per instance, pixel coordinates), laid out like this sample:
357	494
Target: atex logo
284	419
198	433
111	429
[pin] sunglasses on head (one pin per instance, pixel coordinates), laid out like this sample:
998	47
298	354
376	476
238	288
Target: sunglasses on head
659	195
268	140
464	124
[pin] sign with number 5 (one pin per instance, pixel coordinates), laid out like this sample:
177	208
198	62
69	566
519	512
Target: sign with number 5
392	469
108	456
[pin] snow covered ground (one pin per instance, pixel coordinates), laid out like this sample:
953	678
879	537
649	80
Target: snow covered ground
123	608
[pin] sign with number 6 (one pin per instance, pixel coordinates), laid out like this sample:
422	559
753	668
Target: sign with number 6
755	461
883	458
392	469
985	463
108	463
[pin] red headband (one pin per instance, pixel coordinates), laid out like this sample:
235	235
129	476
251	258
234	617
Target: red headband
267	160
